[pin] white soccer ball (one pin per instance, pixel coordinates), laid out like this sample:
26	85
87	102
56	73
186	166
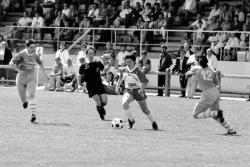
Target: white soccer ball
117	123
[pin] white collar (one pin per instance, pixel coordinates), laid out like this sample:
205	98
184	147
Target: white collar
132	69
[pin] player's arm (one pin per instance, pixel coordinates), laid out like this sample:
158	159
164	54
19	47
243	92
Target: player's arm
40	63
14	61
117	89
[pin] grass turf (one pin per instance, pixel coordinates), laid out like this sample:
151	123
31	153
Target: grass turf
69	133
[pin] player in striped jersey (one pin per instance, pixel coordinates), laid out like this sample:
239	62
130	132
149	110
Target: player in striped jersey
210	96
24	63
135	83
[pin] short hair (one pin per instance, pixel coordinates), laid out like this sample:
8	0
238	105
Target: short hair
90	48
4	43
29	42
57	58
130	56
203	61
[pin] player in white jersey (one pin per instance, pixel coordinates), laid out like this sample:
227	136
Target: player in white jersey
210	96
135	83
24	63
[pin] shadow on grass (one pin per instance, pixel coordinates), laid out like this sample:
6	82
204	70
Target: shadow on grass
234	135
159	130
52	124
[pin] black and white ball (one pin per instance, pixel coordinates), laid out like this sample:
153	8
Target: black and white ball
117	123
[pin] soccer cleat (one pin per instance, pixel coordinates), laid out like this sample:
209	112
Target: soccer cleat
101	112
220	117
232	132
130	123
25	105
33	118
155	126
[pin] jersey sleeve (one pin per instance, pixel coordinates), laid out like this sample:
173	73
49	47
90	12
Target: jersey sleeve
142	77
17	58
81	69
101	66
38	60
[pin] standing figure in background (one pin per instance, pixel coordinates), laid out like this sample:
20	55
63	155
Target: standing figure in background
164	65
181	68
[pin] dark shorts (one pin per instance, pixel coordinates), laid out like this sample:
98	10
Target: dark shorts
97	90
136	94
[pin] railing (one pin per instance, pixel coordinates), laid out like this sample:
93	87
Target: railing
167	88
139	39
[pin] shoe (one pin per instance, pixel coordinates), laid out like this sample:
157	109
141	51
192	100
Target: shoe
102	113
220	117
25	105
51	89
155	126
33	118
181	96
233	132
59	89
131	123
248	99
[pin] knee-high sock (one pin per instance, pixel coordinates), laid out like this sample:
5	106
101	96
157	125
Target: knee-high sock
32	106
207	114
226	125
128	114
150	117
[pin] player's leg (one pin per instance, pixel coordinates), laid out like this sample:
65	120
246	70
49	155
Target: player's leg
201	111
144	107
99	106
31	89
193	86
126	100
104	99
21	82
220	118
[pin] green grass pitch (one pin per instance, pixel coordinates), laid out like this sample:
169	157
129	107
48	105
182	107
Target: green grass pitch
69	133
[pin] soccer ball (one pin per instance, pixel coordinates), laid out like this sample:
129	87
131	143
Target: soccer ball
117	123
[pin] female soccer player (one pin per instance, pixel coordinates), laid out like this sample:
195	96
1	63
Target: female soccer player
135	82
91	75
210	96
24	63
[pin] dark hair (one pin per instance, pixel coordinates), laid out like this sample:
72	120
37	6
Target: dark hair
203	61
29	42
90	48
130	56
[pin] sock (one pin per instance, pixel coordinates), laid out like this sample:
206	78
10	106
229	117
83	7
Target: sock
101	110
151	118
32	106
207	114
226	125
128	114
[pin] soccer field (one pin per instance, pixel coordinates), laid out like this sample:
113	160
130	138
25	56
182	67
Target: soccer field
69	133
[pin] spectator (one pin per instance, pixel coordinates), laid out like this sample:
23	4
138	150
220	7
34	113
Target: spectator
55	10
48	6
101	17
152	2
113	13
109	70
136	12
66	34
5	57
240	13
199	36
161	24
82	54
232	44
237	26
216	11
23	21
124	16
76	24
69	77
73	13
164	65
56	74
194	25
85	23
94	12
81	87
140	25
121	55
66	10
187	49
36	9
63	53
181	68
5	5
219	42
144	63
189	7
157	10
167	13
37	24
214	24
212	59
226	25
244	38
192	81
247	24
109	50
134	3
225	12
146	12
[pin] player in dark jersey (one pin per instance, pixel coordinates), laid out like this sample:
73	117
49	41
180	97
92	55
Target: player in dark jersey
91	75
